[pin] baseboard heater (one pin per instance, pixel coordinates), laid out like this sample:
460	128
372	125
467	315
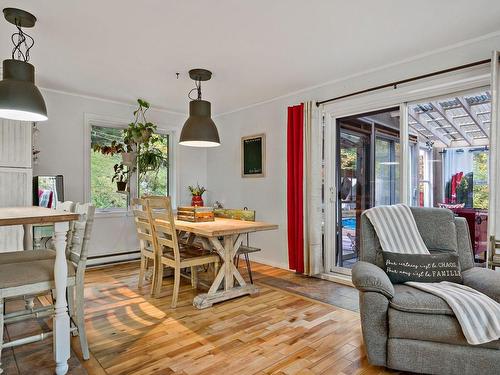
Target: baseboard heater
100	260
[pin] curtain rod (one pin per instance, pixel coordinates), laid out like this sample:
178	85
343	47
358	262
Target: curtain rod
396	83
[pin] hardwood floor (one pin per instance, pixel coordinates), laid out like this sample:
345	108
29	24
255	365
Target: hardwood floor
276	332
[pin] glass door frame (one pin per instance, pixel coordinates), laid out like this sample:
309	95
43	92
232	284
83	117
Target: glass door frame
338	230
373	136
392	156
460	81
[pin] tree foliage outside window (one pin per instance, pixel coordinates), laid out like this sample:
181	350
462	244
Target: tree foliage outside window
348	158
480	180
103	189
156	182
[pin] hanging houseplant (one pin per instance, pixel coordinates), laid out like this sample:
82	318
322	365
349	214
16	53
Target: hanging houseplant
138	149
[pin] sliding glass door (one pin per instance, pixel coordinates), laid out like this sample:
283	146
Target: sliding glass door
354	195
442	152
368	157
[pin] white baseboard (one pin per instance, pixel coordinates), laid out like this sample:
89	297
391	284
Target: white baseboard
267	262
126	257
112	259
337	278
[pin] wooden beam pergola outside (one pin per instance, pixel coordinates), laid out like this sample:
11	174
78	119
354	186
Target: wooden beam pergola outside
438	108
417	117
412	124
477	121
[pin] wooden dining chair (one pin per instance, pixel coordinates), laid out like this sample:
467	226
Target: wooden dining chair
29	276
167	250
145	237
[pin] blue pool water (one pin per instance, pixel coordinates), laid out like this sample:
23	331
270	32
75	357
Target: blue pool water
349	223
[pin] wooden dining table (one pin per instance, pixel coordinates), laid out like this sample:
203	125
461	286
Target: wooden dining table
225	236
28	216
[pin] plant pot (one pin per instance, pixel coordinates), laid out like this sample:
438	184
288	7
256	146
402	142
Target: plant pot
121	185
197	201
129	158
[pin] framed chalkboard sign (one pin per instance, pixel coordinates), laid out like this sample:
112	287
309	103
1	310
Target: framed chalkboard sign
253	156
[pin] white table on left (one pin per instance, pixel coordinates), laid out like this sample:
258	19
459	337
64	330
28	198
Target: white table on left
28	216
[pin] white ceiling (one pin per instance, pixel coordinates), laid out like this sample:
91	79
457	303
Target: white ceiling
258	49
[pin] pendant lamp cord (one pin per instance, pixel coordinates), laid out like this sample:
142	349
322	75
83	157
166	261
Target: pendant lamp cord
21	41
197	88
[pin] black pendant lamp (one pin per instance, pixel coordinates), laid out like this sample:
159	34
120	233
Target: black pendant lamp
20	99
199	130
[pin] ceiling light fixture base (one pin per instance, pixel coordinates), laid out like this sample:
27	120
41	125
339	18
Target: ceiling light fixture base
19	17
200	74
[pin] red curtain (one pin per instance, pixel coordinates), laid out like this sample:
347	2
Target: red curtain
295	176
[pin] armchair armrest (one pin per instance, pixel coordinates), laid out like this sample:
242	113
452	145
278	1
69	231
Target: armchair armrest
367	277
483	280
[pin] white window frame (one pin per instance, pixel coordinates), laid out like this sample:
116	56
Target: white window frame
114	122
463	80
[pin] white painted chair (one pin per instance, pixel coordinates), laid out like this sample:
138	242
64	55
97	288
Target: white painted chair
45	242
29	275
40	252
36	254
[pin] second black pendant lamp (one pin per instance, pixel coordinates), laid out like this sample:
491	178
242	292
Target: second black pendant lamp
20	99
199	130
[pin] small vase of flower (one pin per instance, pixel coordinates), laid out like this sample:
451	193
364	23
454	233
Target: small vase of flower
196	193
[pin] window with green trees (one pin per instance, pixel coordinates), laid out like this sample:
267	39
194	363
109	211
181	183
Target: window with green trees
103	190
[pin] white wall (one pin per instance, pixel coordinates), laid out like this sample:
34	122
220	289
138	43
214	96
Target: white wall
268	195
61	144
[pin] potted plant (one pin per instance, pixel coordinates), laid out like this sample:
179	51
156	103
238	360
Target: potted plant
120	176
140	146
138	134
151	160
196	192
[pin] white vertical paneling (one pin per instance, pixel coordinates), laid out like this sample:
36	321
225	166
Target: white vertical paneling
15	144
15	176
15	190
15	187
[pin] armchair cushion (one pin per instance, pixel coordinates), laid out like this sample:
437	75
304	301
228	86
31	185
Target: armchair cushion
409	299
483	280
424	327
367	277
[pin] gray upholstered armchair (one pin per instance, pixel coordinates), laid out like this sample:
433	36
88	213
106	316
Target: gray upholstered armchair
408	329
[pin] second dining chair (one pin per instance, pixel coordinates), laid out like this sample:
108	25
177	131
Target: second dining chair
145	237
167	250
